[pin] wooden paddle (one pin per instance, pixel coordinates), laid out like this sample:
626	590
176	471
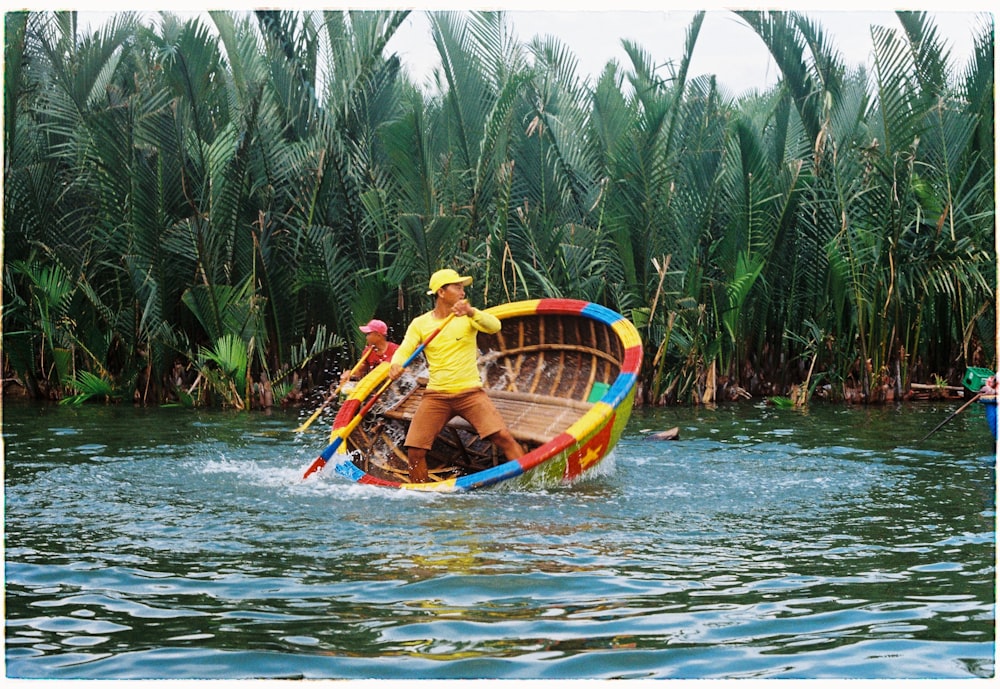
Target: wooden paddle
344	432
952	416
332	395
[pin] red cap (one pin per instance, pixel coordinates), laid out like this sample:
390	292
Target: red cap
375	326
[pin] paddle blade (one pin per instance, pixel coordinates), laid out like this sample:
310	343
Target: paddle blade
318	464
327	452
308	422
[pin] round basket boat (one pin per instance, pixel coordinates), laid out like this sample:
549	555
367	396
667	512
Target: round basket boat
561	372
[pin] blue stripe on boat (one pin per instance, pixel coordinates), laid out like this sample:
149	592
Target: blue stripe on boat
347	468
489	476
601	313
619	390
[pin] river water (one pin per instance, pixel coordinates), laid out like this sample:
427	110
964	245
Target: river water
765	543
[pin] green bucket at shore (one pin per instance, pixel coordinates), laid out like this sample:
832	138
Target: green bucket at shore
975	377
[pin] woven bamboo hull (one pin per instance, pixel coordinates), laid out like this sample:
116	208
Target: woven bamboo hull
562	373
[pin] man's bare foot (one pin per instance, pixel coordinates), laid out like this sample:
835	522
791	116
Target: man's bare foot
418	471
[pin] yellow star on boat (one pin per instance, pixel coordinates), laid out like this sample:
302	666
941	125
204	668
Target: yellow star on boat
594	452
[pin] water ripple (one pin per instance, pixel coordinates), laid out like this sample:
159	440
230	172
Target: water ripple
187	545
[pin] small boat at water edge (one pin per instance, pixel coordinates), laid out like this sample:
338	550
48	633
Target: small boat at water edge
974	381
990	407
561	372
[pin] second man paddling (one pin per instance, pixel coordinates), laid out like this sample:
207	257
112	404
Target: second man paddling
380	348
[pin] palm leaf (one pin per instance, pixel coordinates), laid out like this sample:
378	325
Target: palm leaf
87	386
785	43
223	309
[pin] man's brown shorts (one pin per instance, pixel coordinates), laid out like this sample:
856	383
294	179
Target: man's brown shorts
437	408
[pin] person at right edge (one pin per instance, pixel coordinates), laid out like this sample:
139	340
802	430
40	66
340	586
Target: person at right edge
454	386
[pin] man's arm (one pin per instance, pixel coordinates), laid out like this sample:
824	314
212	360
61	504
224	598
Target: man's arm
481	321
411	340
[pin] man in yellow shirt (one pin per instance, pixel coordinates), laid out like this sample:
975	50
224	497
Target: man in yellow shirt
454	386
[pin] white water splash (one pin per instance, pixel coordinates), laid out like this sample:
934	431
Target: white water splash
288	479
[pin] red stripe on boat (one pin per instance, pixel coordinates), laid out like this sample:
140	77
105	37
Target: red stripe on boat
546	452
560	306
590	453
373	481
632	359
347	412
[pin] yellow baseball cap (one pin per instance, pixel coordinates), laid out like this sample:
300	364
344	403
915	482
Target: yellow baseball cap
447	277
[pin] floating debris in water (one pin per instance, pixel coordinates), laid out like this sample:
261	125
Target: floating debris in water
669	434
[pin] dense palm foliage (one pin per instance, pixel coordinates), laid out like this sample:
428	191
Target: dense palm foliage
206	213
